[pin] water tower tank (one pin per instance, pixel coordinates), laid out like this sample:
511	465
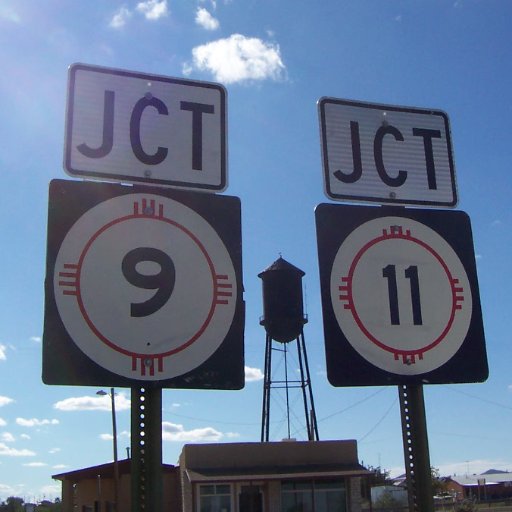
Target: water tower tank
283	312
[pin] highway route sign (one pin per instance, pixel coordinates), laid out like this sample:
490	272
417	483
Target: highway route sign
400	296
136	127
386	154
143	284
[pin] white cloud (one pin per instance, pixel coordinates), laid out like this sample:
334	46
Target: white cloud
120	18
60	466
35	464
253	374
5	400
7	437
6	490
153	9
54	450
3	355
93	403
9	14
238	58
206	20
25	436
174	432
36	339
109	437
13	452
34	422
3	423
52	491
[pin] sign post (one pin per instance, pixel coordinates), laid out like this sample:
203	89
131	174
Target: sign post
416	452
399	293
143	290
144	286
146	445
401	306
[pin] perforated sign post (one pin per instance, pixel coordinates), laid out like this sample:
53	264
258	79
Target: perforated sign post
143	285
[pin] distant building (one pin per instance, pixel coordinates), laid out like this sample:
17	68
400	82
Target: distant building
235	477
486	486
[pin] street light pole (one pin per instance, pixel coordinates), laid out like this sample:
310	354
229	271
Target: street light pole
114	433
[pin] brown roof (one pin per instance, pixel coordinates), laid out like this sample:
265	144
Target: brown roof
105	471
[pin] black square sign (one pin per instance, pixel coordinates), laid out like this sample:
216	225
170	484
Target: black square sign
143	287
400	296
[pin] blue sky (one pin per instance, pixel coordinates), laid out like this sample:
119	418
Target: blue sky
276	59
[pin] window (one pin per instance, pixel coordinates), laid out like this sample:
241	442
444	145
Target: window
313	496
215	498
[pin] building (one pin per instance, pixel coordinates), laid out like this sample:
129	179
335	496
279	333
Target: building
92	489
491	485
236	477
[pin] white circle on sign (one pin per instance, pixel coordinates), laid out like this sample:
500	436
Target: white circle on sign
401	295
145	286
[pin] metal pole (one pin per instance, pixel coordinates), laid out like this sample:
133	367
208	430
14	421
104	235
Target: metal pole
265	414
116	460
146	429
416	452
287	390
303	383
314	424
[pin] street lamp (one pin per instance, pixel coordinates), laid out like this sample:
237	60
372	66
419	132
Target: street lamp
114	433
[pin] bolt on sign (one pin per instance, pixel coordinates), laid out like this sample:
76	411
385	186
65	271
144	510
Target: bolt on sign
386	154
133	127
400	296
143	285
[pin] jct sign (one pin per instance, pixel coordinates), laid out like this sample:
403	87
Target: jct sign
144	128
386	154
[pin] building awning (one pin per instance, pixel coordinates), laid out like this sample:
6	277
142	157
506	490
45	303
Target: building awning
274	473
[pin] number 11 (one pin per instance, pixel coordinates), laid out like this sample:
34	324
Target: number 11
411	273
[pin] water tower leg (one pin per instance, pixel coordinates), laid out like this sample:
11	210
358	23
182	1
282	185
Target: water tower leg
309	407
265	414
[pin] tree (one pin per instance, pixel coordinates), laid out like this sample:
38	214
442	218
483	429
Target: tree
12	504
388	502
438	483
379	476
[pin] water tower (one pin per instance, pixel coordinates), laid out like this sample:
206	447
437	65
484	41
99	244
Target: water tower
283	320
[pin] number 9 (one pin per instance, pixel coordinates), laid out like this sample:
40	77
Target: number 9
163	282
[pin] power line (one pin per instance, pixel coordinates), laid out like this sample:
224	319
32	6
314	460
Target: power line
380	420
355	404
486	400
